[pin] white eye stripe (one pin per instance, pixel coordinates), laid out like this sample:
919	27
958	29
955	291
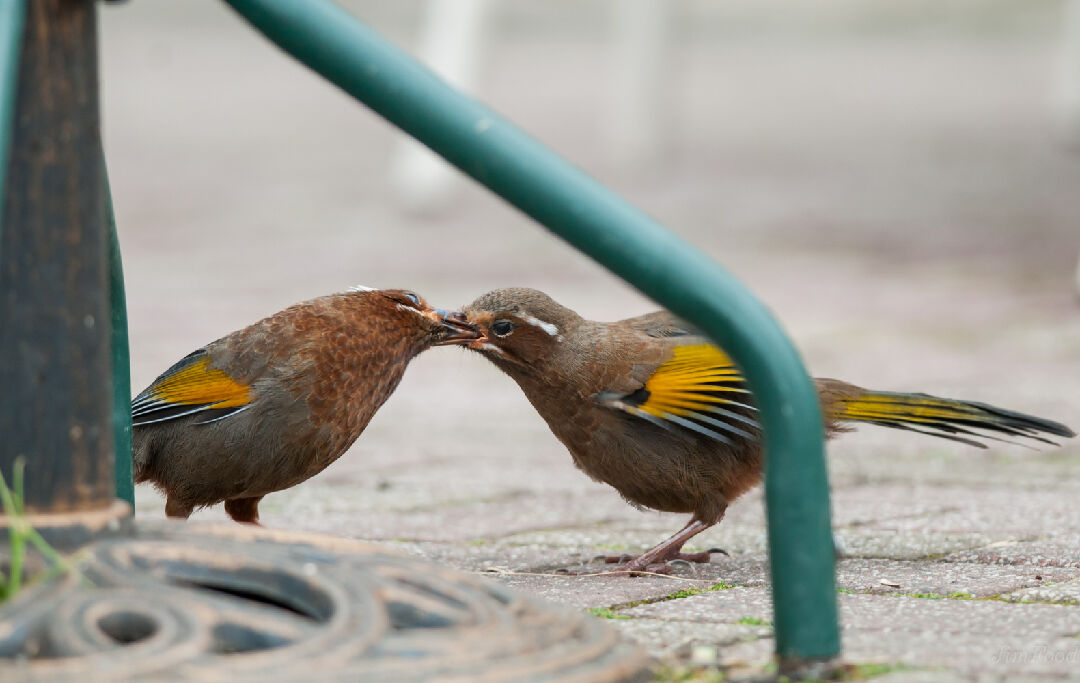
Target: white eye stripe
547	327
537	322
403	307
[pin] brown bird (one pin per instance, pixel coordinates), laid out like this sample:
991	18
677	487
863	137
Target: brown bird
268	406
651	407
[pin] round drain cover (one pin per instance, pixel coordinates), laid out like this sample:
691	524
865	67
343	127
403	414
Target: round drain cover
207	602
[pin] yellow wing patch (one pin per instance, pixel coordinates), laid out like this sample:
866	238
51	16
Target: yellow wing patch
694	380
199	384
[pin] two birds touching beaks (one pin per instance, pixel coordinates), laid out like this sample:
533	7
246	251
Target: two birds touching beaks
647	405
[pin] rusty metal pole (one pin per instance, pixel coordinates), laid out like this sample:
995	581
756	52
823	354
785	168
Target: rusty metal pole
55	367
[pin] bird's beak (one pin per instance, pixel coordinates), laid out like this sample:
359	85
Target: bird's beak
453	327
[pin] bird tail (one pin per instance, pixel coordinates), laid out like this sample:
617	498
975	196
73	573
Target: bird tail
963	421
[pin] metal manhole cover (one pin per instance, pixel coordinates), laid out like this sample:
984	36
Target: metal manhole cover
226	602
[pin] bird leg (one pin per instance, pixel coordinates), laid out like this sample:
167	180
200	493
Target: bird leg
244	510
656	559
704	557
174	509
669	549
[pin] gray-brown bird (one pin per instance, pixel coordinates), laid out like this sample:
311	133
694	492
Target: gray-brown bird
651	407
268	406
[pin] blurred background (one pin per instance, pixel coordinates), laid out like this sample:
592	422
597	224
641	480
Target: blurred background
897	180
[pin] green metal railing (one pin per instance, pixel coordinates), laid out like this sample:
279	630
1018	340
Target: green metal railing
596	221
121	361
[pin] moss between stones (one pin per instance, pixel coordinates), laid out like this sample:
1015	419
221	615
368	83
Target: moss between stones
1001	597
606	613
677	595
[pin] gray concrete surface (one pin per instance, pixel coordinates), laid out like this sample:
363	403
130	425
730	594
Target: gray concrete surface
886	179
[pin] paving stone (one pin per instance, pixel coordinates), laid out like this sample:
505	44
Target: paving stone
964	635
921	676
1052	550
534	570
492	557
929	463
1064	592
864	504
596	591
674	640
979	580
513	557
614	538
994	511
947	616
720	607
748	658
867	543
969	636
465	519
984	654
959	658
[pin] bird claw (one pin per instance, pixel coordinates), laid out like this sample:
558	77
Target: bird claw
633	569
704	557
657	565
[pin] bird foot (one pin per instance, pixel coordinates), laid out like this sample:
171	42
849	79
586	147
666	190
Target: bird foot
662	568
651	562
701	558
635	570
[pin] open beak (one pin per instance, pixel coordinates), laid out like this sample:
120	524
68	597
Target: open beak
454	328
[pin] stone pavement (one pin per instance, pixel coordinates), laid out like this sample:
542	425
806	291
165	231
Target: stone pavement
890	186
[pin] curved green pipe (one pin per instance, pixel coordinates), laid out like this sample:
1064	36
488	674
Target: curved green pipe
121	363
598	222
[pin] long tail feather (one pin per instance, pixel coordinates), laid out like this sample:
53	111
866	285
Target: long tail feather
946	418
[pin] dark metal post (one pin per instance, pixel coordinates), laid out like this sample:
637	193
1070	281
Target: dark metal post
55	371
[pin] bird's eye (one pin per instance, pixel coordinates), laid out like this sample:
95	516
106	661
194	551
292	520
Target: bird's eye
413	298
502	328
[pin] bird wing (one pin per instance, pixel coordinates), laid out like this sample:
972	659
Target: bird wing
659	324
191	386
697	387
